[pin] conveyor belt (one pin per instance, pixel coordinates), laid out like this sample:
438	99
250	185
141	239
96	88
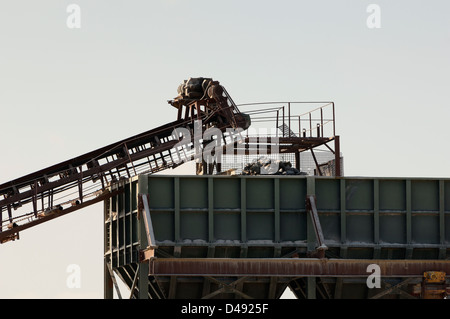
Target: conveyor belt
80	181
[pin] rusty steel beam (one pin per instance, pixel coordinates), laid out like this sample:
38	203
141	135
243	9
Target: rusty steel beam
11	233
292	267
29	189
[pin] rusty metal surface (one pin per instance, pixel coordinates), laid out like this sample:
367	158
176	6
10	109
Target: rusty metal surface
434	285
301	267
146	254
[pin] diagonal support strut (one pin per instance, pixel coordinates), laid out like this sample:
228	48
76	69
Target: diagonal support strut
312	210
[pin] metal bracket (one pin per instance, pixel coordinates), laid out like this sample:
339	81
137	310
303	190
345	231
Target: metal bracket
146	254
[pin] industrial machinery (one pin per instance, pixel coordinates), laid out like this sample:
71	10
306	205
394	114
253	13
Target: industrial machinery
246	236
203	106
33	199
242	237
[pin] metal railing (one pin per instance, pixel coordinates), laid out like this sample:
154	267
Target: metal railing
290	119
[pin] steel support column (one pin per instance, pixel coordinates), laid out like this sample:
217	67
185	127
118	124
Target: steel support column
311	236
145	238
337	156
108	285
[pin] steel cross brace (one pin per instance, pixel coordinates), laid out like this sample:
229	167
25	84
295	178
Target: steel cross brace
144	212
311	208
396	288
226	288
113	278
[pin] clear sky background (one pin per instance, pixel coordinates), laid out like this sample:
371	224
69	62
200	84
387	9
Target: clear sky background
65	92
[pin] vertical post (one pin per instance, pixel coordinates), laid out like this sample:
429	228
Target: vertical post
186	113
42	201
337	157
50	198
177	209
376	210
289	118
198	109
143	241
338	288
80	187
243	210
310	125
321	121
311	238
143	280
117	239
376	218
277	209
343	220
180	108
133	197
10	213
210	209
442	250
107	280
218	162
299	126
334	122
408	219
34	199
276	127
311	288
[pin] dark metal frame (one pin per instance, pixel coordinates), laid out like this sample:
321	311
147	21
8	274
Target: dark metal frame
89	175
300	131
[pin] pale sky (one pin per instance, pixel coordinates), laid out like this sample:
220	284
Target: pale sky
65	92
